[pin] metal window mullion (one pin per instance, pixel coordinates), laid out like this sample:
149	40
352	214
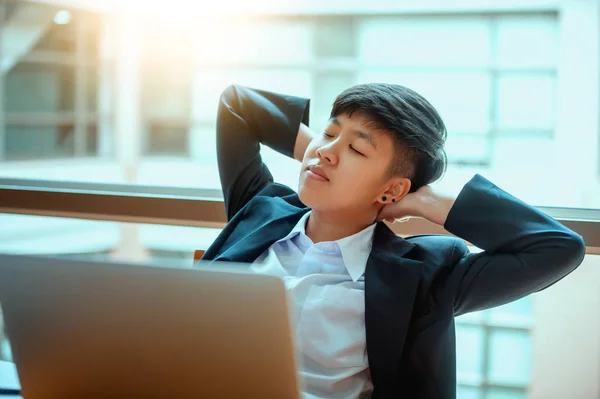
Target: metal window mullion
2	93
494	76
80	133
314	75
352	63
597	87
485	361
356	67
36	119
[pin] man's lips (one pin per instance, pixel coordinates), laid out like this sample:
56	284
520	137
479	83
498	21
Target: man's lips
316	170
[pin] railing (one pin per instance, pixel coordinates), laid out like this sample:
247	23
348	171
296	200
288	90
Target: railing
195	207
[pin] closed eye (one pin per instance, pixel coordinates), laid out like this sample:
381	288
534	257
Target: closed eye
356	151
327	135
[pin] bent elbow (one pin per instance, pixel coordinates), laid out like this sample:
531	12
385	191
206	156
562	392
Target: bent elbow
577	249
569	253
229	94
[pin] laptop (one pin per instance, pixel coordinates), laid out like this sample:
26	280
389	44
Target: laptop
83	329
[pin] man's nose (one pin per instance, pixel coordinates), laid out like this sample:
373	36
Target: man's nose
327	153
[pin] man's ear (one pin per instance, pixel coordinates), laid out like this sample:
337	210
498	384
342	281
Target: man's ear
397	189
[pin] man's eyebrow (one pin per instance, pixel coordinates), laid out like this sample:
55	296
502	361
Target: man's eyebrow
365	136
335	121
358	133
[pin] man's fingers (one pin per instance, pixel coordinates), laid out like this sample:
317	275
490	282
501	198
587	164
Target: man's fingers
400	220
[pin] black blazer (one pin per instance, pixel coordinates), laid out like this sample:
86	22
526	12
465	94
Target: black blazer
414	287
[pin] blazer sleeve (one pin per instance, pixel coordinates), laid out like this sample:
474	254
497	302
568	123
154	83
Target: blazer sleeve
247	118
525	250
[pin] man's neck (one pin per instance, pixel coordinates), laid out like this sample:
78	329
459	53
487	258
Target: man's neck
325	226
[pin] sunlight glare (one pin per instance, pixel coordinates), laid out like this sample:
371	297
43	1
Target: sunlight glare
185	9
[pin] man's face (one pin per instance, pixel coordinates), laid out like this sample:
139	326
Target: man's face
345	169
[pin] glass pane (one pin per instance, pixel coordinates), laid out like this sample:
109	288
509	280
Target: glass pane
534	157
467	149
506	393
526	102
167	138
43	235
165	99
53	29
334	37
528	41
61	33
33	87
517	313
328	85
283	169
5	352
40	68
91	25
461	98
444	41
203	144
178	172
44	29
469	353
101	95
177	242
92	80
510	357
165	90
467	393
266	42
209	83
471	318
92	140
35	235
35	142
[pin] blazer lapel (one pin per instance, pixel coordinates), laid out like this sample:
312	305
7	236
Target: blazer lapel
264	228
391	284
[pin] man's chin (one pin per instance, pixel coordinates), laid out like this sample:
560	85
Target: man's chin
312	197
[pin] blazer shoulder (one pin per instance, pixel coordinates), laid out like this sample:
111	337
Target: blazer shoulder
438	255
437	250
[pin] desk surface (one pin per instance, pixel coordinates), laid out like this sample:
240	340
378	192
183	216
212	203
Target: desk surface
8	378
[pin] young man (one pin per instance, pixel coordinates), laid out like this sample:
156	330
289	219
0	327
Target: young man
373	312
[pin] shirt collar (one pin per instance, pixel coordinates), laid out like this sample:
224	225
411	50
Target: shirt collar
355	249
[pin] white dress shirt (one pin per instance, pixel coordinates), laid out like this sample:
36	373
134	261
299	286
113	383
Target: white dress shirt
325	284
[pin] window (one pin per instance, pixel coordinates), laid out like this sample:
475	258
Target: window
494	351
165	93
50	78
140	95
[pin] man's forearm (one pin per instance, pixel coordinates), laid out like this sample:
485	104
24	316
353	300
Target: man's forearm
435	207
304	137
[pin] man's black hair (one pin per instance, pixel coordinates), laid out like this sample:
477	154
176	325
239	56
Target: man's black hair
416	127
